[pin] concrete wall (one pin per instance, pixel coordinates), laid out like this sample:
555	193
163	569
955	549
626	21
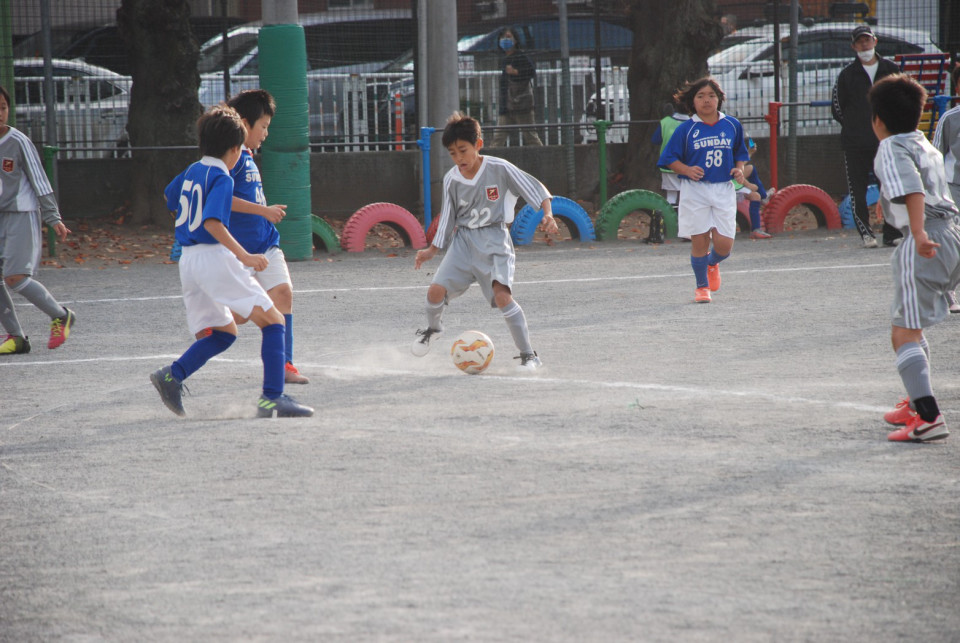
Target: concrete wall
345	182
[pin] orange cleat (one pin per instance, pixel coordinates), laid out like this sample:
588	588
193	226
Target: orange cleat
919	430
713	277
702	296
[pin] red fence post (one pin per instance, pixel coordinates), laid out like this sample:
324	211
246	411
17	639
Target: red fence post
398	120
773	117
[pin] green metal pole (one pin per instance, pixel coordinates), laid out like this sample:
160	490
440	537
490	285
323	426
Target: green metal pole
49	157
602	127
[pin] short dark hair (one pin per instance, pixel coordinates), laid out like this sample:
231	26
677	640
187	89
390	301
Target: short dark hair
898	100
220	130
686	94
3	92
461	127
252	104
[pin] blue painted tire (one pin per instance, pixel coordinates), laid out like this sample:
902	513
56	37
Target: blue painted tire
570	212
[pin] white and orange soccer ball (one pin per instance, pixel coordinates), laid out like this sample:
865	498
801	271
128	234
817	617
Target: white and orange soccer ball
472	352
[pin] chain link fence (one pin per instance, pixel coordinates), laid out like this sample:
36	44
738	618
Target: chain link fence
361	57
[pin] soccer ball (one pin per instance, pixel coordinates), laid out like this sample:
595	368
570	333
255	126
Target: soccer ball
472	352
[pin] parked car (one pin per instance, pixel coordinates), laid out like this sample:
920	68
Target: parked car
92	104
100	44
339	44
745	71
539	38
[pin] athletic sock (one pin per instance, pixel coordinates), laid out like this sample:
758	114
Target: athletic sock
200	353
914	371
271	352
435	314
927	408
288	337
699	270
36	294
713	258
8	316
925	346
517	323
755	222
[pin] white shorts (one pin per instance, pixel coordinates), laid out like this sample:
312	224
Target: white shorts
274	274
704	206
481	255
214	282
670	181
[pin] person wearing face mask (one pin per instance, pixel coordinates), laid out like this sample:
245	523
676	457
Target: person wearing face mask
852	110
516	91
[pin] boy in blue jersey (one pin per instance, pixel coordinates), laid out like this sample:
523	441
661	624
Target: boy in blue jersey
706	151
216	286
252	220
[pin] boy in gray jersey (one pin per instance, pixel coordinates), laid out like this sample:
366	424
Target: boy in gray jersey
947	140
26	196
479	195
914	198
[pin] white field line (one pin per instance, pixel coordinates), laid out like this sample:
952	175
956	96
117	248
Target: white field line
572	280
517	380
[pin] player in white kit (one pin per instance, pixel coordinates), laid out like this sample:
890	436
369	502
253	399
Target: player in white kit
26	197
479	196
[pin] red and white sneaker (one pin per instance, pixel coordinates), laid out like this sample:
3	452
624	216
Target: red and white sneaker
900	414
291	375
919	430
713	277
702	295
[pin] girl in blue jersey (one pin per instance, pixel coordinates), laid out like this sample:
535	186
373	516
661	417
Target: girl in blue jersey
706	152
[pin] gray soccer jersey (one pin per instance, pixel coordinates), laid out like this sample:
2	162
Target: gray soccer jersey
909	164
947	140
23	184
489	198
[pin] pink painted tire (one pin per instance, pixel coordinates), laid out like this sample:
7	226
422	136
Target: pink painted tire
354	236
819	202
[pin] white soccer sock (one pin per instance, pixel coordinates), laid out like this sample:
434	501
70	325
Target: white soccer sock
517	323
8	316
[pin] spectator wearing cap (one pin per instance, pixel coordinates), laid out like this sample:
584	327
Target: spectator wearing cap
852	110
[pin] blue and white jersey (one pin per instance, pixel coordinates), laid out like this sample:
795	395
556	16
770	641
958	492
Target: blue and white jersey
716	148
203	191
254	232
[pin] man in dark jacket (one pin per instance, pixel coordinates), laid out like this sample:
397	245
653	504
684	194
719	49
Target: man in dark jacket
516	91
852	110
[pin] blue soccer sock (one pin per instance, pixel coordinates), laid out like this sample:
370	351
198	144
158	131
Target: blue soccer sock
200	353
755	222
271	352
713	258
699	270
288	337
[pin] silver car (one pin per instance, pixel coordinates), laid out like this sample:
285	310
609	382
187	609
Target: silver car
92	104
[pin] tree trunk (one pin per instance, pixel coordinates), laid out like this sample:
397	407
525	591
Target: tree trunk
163	105
672	40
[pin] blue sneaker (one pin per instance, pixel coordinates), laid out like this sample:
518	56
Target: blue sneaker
170	389
282	407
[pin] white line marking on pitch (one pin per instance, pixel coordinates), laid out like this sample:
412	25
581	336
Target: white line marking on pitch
532	283
531	379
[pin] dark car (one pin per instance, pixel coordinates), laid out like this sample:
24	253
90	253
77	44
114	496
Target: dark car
101	44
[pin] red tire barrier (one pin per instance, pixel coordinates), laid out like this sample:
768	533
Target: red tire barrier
819	202
354	236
